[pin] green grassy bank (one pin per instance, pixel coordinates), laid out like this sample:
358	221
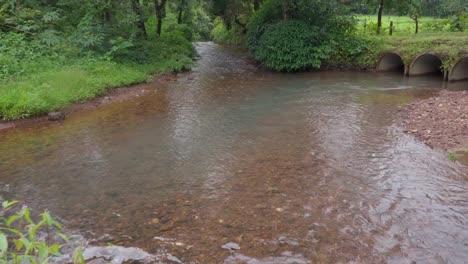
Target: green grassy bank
44	82
450	47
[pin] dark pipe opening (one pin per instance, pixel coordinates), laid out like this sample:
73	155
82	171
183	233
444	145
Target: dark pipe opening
391	62
426	64
460	70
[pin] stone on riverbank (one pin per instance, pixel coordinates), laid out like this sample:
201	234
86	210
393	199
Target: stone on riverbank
56	116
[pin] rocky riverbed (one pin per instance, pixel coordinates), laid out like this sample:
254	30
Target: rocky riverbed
440	122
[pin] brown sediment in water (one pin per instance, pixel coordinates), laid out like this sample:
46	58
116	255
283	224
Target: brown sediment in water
115	95
440	122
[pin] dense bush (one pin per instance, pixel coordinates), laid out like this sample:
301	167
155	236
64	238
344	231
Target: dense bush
20	56
291	46
304	35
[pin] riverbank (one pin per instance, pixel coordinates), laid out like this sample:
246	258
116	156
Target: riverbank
440	122
51	90
114	95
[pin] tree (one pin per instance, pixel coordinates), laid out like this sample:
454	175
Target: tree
379	16
456	8
160	9
140	23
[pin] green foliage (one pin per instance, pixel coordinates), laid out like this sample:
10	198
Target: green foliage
302	34
55	88
20	239
202	27
62	52
452	156
292	46
53	83
220	33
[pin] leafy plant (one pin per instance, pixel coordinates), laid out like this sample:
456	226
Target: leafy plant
452	156
23	240
292	46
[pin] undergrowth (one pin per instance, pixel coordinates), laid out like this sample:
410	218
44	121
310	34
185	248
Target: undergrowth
34	82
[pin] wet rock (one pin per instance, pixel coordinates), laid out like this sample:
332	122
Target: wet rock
174	259
56	116
231	246
117	255
105	238
285	258
98	261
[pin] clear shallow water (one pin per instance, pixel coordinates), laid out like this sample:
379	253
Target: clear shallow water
309	167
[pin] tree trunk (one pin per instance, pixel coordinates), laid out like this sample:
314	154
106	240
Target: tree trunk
379	16
160	8
183	4
140	23
159	26
179	18
286	9
417	23
257	4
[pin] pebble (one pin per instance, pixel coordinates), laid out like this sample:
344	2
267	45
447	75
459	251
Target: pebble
231	246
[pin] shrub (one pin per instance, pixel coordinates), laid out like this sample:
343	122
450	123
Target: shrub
220	33
291	46
304	36
201	24
147	52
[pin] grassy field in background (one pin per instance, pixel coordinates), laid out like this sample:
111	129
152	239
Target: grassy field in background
403	25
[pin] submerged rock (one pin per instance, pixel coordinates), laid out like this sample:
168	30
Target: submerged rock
56	116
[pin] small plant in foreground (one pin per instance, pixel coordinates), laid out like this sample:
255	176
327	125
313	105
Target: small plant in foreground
23	240
452	156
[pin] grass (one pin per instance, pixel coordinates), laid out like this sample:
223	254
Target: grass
34	83
403	25
449	46
56	88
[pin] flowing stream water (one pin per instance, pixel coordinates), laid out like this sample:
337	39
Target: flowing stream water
294	168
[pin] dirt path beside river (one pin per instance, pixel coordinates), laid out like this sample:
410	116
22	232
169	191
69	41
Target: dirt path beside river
440	122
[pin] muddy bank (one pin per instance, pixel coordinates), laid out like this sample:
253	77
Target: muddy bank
440	122
112	96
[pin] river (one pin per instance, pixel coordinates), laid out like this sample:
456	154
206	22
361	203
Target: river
294	168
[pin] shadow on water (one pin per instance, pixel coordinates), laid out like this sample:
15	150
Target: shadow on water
310	167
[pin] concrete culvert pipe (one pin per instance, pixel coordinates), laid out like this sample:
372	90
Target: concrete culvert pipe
391	62
426	64
460	70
